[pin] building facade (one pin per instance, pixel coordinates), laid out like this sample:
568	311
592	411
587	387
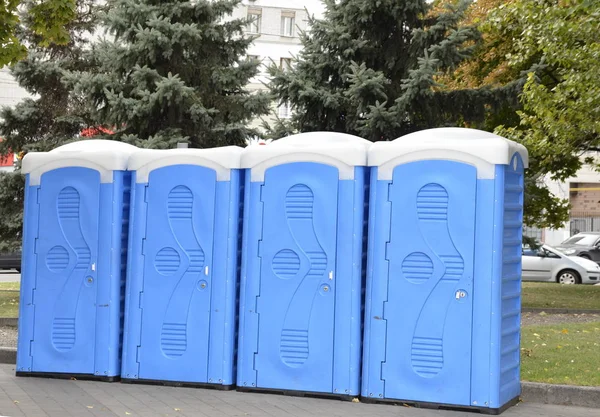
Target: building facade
276	26
583	193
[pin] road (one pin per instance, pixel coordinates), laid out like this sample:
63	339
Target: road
9	276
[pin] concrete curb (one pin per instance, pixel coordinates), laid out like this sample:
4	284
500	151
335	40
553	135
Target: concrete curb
535	392
9	321
558	311
8	355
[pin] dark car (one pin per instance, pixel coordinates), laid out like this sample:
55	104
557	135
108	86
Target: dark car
10	261
585	244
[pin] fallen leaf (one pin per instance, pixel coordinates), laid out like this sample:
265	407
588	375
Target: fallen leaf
564	331
89	406
536	335
16	402
177	409
127	413
355	400
559	347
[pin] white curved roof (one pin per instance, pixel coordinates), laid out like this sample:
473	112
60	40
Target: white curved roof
96	145
222	160
331	148
105	156
482	149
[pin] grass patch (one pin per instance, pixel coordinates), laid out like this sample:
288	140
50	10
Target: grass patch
9	304
10	285
9	299
549	295
561	354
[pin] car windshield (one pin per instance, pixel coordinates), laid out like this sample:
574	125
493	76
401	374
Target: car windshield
581	240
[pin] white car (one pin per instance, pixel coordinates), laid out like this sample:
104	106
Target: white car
549	264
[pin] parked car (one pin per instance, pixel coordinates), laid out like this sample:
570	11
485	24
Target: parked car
585	244
549	264
10	261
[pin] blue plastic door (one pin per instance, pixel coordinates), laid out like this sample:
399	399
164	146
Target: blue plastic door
66	258
177	274
429	307
297	283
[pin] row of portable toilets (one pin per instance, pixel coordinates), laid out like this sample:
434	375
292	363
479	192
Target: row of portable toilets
252	268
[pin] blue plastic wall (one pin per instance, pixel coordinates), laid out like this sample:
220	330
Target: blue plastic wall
301	280
182	277
443	285
74	252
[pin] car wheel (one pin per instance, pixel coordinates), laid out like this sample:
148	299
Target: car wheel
585	257
568	277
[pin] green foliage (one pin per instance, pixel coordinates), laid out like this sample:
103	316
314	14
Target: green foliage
51	117
367	68
173	71
11	206
48	20
560	119
11	49
372	69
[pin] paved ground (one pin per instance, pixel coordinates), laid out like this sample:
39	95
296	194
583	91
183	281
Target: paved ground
33	397
8	336
528	319
9	276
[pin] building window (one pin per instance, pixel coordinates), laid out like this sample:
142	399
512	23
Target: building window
285	64
256	58
254	20
285	110
287	23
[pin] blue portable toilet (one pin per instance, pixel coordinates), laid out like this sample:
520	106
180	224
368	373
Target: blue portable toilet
74	255
180	315
302	269
442	311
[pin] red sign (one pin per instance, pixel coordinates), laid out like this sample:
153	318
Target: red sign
7	161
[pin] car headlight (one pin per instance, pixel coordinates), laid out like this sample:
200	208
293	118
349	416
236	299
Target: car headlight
569	251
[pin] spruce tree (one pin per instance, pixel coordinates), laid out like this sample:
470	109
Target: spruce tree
370	68
171	71
52	116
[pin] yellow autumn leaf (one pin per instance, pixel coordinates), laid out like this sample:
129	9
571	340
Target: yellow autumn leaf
89	406
127	413
536	335
564	331
559	347
177	409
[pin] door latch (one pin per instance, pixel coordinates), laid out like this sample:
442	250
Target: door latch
460	294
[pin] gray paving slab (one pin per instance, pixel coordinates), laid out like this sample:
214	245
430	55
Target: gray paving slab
32	397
